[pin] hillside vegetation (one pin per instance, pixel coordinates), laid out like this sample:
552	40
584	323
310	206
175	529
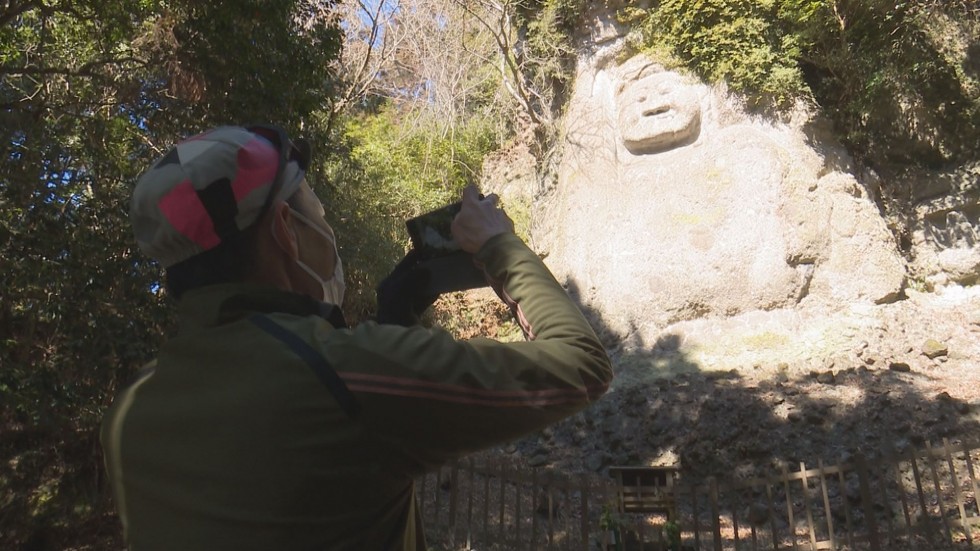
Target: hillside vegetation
900	80
403	99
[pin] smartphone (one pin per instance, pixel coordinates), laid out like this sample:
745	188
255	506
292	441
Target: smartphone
450	268
431	232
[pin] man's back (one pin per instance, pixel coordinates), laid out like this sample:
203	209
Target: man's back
231	436
233	441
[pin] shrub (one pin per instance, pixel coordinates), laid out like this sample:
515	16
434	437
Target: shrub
879	69
387	167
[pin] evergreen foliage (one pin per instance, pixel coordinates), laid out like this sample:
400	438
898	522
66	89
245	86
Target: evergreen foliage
735	41
883	71
91	91
548	26
390	165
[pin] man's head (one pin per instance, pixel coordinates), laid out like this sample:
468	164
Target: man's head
232	204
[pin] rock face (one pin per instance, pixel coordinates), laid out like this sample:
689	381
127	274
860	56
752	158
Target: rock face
735	266
672	205
946	230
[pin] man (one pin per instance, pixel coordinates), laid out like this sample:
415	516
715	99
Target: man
266	423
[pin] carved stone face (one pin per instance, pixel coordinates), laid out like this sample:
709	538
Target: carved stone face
657	111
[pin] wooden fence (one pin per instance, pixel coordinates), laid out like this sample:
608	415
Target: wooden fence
494	503
920	500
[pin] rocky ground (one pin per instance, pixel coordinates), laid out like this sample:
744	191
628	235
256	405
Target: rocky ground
888	377
741	398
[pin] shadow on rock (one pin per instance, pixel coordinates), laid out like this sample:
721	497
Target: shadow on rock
733	423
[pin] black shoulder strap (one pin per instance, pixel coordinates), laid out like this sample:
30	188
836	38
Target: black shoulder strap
317	363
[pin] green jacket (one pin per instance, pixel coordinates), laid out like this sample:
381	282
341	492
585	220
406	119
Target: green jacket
231	441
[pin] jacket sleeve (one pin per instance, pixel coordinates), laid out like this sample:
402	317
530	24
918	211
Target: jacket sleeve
430	398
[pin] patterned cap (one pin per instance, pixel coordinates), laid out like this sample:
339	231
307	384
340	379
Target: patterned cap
212	186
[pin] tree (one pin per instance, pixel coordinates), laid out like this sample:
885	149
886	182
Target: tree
423	55
534	52
91	91
369	42
419	108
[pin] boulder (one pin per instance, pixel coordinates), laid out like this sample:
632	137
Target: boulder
945	236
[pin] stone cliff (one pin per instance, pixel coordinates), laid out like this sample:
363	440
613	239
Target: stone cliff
698	235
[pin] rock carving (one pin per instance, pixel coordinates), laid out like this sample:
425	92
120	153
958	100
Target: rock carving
673	205
657	110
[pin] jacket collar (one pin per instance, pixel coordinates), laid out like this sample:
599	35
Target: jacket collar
215	305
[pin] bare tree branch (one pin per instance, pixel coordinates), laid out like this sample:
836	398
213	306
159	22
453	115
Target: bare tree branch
372	38
511	73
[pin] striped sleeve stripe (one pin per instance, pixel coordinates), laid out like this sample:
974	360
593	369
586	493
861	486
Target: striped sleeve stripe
382	384
526	401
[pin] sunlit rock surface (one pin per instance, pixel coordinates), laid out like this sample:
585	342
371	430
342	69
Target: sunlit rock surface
672	205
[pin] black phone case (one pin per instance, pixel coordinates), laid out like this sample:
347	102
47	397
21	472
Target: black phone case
450	268
431	232
453	272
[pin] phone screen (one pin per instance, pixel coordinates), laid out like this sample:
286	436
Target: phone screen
431	234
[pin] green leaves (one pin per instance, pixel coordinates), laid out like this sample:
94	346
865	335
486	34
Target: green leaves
254	60
886	72
395	164
91	92
738	42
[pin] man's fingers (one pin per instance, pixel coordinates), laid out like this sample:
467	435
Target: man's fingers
471	194
480	219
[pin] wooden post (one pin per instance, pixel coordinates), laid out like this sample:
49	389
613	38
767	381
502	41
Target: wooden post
806	506
568	509
438	492
639	496
551	510
826	505
734	494
453	496
715	515
847	506
486	504
772	515
421	495
584	511
959	493
931	462
697	517
869	509
518	487
606	491
469	507
789	507
534	501
973	479
755	538
905	504
500	534
922	501
886	501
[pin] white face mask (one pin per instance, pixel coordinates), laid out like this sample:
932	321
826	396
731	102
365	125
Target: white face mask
333	288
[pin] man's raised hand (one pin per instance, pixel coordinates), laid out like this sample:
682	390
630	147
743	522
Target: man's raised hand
479	219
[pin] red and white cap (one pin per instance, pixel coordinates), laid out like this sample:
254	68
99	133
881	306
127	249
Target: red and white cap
209	187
